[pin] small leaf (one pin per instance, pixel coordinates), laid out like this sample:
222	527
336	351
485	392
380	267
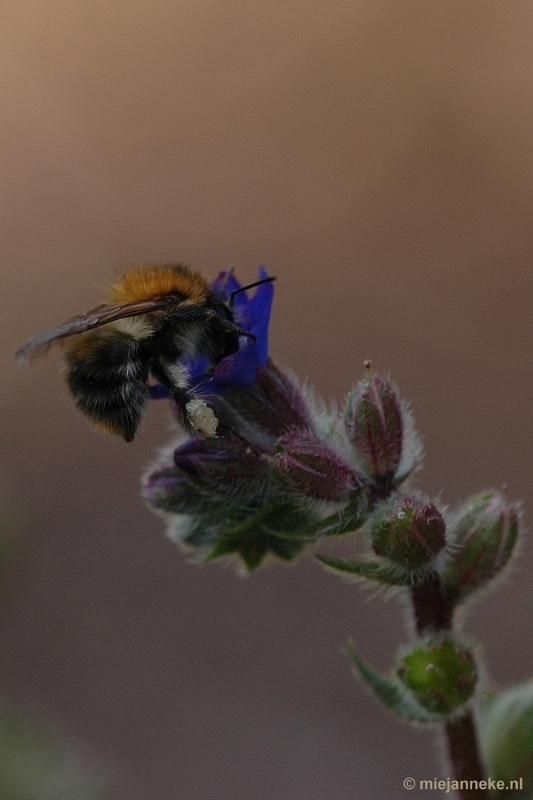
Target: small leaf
259	534
347	520
388	690
377	571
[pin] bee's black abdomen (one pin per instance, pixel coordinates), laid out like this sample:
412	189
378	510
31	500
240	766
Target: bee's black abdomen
107	377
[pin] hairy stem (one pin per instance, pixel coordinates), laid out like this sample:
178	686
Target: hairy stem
433	611
464	756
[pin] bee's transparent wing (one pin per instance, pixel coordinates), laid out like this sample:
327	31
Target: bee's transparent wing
93	319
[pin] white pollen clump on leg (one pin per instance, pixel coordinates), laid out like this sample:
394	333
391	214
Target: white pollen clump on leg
201	417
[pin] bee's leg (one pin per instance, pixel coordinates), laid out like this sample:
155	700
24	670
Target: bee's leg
196	416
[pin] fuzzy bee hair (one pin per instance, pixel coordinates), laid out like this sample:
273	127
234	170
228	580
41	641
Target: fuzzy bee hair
155	317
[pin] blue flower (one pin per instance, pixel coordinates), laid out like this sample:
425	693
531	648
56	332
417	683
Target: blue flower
239	369
253	315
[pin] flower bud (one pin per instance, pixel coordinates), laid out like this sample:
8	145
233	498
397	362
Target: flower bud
441	675
374	424
483	535
167	490
507	735
313	468
408	532
269	407
224	466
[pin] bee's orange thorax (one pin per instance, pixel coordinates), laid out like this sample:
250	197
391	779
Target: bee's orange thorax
154	280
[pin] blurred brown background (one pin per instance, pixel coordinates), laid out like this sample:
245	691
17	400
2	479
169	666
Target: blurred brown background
377	157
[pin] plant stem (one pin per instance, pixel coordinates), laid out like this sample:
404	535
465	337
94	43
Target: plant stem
464	756
433	612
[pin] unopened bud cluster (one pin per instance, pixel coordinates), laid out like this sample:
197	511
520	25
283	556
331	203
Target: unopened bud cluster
280	456
443	564
269	478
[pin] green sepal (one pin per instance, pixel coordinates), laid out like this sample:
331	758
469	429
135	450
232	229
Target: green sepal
280	527
347	520
266	531
371	570
389	690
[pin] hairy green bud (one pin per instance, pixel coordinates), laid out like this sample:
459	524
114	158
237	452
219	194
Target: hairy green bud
312	468
507	735
408	532
440	673
483	535
374	424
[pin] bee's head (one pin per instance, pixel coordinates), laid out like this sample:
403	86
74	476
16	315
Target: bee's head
223	331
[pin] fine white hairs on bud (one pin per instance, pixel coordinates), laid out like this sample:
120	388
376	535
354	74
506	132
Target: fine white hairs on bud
381	431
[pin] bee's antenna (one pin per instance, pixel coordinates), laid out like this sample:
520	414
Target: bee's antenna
248	286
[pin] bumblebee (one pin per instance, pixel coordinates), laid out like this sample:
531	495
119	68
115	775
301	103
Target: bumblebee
155	317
